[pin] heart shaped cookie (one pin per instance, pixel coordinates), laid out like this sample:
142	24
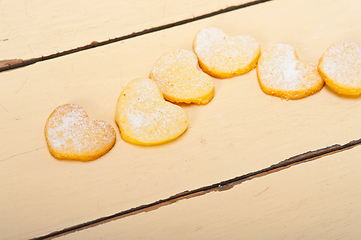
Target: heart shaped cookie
340	67
178	75
145	118
281	74
224	56
72	135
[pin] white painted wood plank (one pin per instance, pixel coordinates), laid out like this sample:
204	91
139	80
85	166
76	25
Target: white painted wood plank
240	131
36	28
314	200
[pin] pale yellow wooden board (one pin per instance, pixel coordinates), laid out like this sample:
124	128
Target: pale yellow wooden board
35	28
240	131
315	200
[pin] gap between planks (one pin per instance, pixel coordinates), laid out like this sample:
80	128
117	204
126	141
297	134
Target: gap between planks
221	186
9	64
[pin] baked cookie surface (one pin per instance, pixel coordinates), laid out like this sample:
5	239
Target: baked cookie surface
224	56
281	74
72	135
178	75
145	118
340	67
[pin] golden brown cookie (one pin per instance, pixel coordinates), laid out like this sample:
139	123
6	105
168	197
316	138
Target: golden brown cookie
145	118
178	75
340	67
72	135
224	56
281	74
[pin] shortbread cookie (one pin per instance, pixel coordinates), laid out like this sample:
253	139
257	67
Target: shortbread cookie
145	118
180	79
281	74
72	135
340	67
224	56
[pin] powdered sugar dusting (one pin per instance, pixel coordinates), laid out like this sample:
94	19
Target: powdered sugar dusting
69	131
278	69
137	119
178	75
280	73
224	53
144	116
342	63
289	71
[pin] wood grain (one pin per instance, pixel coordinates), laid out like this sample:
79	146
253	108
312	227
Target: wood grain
31	29
315	200
240	131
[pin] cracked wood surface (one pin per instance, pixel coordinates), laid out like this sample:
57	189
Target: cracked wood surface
31	29
320	199
240	131
217	187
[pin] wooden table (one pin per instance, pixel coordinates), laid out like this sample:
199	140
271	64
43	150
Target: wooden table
250	166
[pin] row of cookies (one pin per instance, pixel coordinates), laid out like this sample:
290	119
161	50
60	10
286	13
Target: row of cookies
279	71
144	117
